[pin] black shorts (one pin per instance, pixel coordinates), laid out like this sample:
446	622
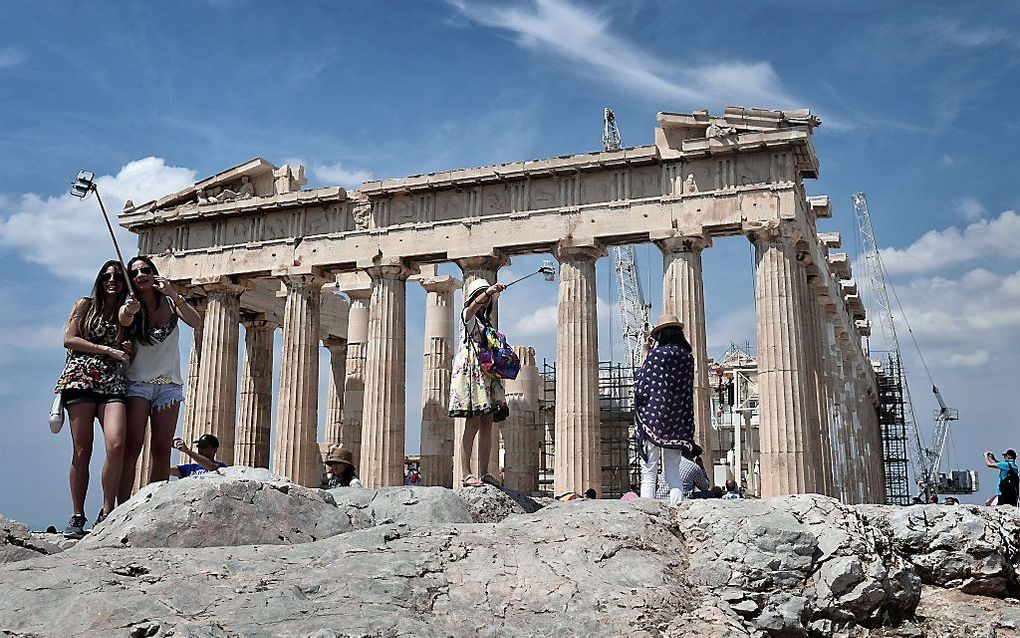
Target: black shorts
74	396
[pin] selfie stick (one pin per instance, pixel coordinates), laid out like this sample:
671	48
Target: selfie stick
546	269
81	187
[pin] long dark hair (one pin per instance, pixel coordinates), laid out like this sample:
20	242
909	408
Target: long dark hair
140	325
92	309
345	477
485	312
673	336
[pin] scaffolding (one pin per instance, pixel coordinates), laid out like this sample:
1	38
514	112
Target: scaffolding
892	421
621	468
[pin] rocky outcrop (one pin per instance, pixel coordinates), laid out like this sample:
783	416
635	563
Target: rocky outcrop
490	504
415	561
234	506
18	543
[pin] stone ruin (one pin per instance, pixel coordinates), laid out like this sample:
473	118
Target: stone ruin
252	246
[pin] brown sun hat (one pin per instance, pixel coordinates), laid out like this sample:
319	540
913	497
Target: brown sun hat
342	456
666	321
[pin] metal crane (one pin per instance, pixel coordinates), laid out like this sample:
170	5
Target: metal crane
633	310
927	461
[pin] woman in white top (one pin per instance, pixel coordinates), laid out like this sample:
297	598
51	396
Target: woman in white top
155	387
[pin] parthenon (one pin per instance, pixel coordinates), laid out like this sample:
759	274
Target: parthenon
256	247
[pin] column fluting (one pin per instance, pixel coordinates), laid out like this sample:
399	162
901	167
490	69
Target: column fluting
255	399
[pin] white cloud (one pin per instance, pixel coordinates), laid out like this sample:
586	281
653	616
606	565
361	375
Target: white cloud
337	173
11	57
939	249
943	31
583	38
969	208
68	236
979	357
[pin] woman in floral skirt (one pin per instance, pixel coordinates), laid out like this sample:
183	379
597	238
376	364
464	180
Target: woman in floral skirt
93	386
474	395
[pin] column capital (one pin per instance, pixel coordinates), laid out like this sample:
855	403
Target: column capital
257	321
492	262
441	283
396	270
217	283
335	342
570	251
771	230
684	243
313	277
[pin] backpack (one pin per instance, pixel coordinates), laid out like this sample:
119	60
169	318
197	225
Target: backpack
1009	485
496	357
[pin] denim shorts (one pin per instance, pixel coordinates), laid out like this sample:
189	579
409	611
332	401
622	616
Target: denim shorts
159	395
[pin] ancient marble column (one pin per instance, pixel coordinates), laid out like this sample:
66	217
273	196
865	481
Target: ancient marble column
484	267
216	392
295	450
683	295
783	392
578	457
437	430
354	386
335	390
382	432
144	465
255	399
521	434
191	390
816	338
811	361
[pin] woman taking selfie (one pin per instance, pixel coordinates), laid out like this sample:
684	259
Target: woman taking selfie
93	386
155	386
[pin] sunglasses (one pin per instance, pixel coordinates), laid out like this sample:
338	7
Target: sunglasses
112	276
142	270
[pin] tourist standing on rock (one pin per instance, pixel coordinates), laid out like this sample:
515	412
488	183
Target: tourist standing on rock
93	386
474	395
155	389
664	410
342	472
1009	478
204	455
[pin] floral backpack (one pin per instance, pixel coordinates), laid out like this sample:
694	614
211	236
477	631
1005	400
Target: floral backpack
497	358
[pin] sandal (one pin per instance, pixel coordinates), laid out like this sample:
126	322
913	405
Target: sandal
471	481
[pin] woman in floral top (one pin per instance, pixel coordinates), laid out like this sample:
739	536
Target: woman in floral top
93	386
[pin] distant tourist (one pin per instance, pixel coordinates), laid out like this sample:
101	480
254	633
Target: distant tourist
1009	480
732	491
693	480
155	391
342	472
591	493
475	396
413	476
952	500
664	411
93	386
933	499
916	500
204	456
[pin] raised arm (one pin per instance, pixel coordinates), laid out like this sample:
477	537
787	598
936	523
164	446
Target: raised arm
184	310
491	294
204	461
990	460
73	340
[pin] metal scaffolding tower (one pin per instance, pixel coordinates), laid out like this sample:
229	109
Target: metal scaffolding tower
891	419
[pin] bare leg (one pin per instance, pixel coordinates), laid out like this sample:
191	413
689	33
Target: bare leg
467	443
137	417
484	443
113	419
164	424
82	435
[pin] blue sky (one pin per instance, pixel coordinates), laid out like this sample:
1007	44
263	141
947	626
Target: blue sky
916	102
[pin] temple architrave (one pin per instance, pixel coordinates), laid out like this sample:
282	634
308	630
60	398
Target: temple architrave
251	245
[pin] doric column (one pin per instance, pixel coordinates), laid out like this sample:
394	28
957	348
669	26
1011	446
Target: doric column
144	465
191	391
808	351
783	416
437	443
578	460
255	400
382	432
818	407
683	295
295	451
354	386
335	390
485	267
216	394
521	434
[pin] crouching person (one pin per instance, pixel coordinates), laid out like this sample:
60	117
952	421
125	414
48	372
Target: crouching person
204	456
342	472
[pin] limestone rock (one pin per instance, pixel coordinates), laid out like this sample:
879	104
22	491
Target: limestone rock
607	569
234	506
18	543
950	613
489	504
800	558
972	548
410	505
